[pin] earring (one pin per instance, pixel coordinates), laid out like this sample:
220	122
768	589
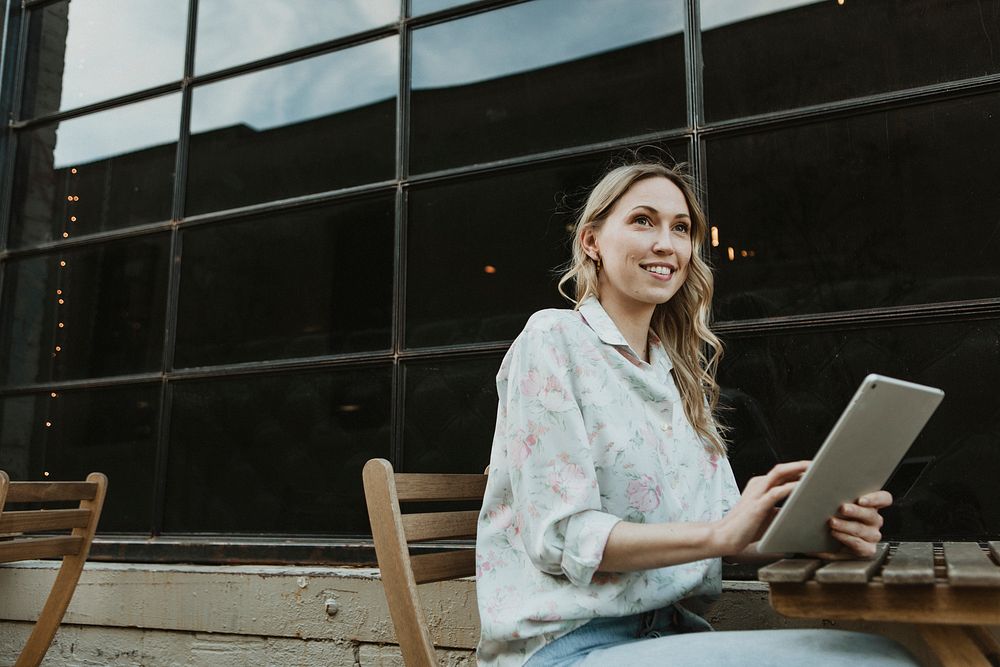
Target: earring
599	263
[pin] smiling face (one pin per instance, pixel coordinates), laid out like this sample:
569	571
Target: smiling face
644	245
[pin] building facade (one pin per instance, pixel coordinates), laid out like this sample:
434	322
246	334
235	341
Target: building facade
248	246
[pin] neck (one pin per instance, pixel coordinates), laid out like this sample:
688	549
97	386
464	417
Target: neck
632	319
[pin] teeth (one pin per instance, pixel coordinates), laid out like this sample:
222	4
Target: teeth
662	270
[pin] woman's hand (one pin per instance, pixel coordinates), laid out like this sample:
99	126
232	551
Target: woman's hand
750	517
858	526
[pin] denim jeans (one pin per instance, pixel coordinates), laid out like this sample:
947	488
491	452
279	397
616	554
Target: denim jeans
675	636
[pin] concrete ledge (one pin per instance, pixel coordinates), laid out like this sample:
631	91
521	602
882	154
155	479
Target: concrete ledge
180	615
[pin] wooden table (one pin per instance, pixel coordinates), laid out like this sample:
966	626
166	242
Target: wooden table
951	591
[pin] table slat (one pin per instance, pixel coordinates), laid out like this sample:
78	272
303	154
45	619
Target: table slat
968	565
995	550
789	570
852	571
911	563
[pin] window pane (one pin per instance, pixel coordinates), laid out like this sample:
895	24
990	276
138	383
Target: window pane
86	51
101	314
294	284
419	7
780	54
95	173
788	391
313	125
451	411
276	454
69	434
884	209
544	75
230	35
482	251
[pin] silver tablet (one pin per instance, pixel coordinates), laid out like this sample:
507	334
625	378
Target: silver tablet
867	442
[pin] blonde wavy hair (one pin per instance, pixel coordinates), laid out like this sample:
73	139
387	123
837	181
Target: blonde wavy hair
682	323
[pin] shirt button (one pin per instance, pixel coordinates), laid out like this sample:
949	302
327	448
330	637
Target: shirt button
665	427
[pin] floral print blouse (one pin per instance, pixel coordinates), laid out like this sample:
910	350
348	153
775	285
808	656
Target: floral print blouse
587	435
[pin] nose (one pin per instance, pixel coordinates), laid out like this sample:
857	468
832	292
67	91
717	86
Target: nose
663	244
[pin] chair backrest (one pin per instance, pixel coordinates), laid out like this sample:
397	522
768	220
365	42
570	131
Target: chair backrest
66	534
394	531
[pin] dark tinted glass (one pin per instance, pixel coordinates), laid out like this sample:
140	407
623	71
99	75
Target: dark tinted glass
276	454
877	210
86	51
230	35
313	125
482	253
788	391
296	284
780	54
73	433
104	171
543	75
450	413
86	312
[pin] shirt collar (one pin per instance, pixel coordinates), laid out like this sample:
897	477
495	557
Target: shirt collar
598	319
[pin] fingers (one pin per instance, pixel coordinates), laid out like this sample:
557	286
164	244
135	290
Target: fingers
785	471
862	531
858	546
865	515
877	500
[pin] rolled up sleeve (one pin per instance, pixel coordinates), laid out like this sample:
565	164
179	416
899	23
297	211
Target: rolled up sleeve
556	496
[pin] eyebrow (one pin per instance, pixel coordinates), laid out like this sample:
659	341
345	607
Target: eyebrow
654	210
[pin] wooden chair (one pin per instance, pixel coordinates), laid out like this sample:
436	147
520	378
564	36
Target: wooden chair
394	531
18	543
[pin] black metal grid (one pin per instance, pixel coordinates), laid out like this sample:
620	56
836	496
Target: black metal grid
697	131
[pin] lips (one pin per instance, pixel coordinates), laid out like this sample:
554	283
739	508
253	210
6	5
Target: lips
659	270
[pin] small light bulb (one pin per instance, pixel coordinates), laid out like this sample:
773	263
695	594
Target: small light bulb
73	170
58	348
58	291
62	262
53	394
489	268
731	252
65	235
715	237
48	424
69	197
61	325
61	302
72	218
46	473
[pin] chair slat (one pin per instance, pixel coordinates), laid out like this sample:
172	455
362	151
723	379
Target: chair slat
413	487
439	525
995	550
41	520
789	570
911	563
445	565
40	547
43	492
968	565
852	571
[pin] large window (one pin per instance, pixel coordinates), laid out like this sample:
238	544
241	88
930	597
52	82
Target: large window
246	249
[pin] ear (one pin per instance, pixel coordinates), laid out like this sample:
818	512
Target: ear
588	240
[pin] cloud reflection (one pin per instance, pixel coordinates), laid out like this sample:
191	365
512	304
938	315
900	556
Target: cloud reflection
533	35
717	13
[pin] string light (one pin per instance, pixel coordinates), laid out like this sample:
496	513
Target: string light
53	394
61	325
48	424
489	268
72	218
58	291
61	302
69	197
62	263
46	473
65	235
743	253
731	253
58	348
73	170
715	237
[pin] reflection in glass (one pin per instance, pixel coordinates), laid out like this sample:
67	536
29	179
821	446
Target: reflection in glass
771	55
86	51
797	384
103	171
859	212
420	7
451	410
230	35
276	454
543	75
62	435
298	284
309	126
85	312
482	252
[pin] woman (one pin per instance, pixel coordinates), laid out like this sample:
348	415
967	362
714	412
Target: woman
610	499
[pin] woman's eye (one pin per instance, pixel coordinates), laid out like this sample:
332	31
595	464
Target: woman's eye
681	227
642	220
